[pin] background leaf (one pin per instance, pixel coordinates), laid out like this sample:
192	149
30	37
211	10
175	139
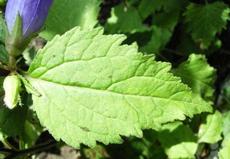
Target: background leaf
160	37
224	152
125	19
210	132
178	140
205	21
146	9
66	14
197	73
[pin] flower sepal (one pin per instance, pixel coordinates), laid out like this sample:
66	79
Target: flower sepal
15	42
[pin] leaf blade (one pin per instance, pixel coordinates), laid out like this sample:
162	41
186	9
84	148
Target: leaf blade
95	89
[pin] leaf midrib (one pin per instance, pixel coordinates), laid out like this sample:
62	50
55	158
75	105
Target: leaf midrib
108	91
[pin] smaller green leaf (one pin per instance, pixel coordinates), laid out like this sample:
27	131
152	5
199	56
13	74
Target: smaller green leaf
224	151
125	19
66	14
3	33
210	132
178	140
3	29
198	75
166	20
3	54
30	134
224	97
226	123
145	8
204	21
12	121
160	37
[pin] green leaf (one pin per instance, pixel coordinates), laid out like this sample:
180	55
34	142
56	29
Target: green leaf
198	74
178	140
3	54
12	121
125	19
66	14
204	21
145	8
95	89
160	37
224	97
226	123
187	45
30	134
210	132
224	151
166	20
3	33
3	30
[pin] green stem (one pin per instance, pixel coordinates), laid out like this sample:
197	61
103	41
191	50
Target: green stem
11	49
8	145
12	63
32	150
6	151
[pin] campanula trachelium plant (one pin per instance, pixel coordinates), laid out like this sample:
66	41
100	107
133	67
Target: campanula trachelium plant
91	73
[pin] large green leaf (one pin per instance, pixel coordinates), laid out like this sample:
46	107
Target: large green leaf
95	89
204	21
66	14
197	73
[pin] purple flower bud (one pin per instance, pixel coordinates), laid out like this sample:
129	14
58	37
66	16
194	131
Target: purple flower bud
32	12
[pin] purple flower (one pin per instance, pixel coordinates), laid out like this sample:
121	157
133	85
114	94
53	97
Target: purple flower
32	12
